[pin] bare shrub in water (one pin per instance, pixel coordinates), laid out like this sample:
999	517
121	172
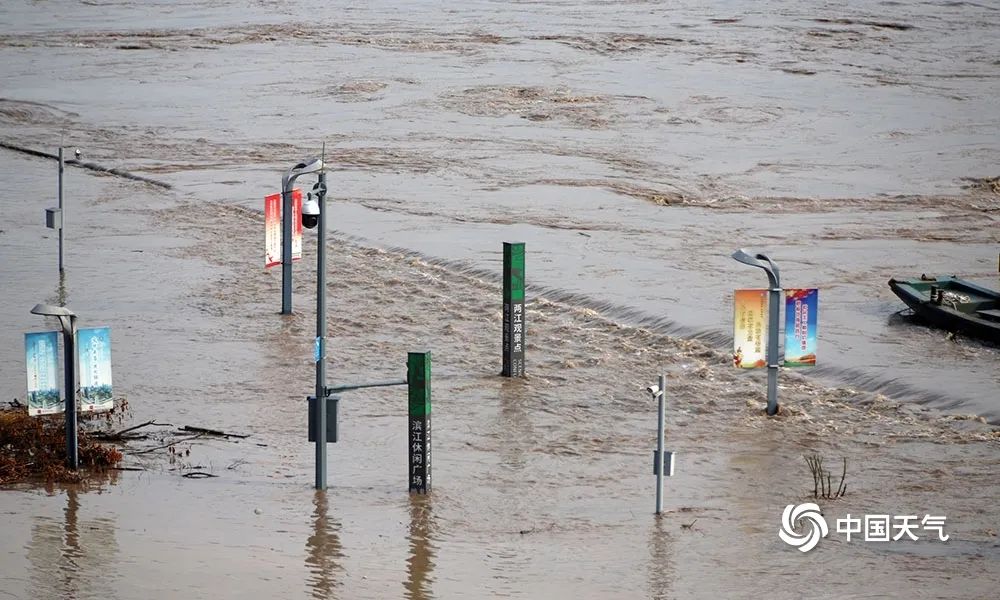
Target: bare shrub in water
823	480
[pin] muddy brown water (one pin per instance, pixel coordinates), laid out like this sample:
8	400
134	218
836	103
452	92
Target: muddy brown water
632	146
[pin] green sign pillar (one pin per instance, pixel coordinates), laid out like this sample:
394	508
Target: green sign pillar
514	326
418	379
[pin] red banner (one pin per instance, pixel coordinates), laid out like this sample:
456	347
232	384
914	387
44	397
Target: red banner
272	228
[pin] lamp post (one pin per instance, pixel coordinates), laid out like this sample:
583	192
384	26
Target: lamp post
313	215
68	321
62	168
55	217
309	165
774	308
321	391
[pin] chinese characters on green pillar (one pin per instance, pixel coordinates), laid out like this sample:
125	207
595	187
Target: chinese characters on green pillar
418	377
514	326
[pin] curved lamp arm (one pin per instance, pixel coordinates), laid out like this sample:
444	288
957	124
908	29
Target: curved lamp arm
309	165
773	276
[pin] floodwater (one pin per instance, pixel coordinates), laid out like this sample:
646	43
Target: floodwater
632	146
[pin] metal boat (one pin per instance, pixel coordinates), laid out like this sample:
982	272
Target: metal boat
953	304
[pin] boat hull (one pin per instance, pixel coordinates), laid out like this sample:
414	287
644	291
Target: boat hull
968	309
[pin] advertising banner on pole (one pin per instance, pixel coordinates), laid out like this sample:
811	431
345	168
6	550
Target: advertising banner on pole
272	228
41	356
801	325
750	329
296	224
93	349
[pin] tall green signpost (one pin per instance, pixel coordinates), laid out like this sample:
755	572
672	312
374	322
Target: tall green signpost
418	378
514	326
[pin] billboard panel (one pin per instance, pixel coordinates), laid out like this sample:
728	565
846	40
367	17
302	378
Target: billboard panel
750	329
41	357
93	347
801	325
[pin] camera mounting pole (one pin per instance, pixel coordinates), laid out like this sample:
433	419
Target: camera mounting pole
309	165
55	217
62	214
663	461
321	390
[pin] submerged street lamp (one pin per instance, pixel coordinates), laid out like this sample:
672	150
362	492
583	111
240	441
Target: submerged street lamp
68	321
309	165
314	214
773	306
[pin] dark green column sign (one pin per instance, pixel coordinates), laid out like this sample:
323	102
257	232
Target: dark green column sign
514	328
418	378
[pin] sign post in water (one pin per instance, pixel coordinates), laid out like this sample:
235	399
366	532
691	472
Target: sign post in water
514	325
418	378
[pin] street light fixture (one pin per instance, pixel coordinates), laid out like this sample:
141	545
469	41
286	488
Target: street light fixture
309	165
774	307
321	390
67	319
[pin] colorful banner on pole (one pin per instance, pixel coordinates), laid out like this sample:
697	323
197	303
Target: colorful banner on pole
272	228
801	324
94	357
41	356
272	231
750	329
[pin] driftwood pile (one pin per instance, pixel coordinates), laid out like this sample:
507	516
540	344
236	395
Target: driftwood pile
33	448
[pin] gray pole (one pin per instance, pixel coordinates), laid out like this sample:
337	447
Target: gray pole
61	210
659	446
286	247
320	335
69	347
772	348
774	310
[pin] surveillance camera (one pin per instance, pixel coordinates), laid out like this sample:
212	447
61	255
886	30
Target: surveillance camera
310	213
654	390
